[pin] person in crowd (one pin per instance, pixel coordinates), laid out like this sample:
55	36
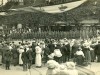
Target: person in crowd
42	46
24	58
74	49
71	48
26	42
57	54
30	56
97	51
15	56
1	53
46	53
13	44
7	58
5	47
51	46
86	51
33	49
10	47
64	53
38	58
21	50
67	45
92	48
79	55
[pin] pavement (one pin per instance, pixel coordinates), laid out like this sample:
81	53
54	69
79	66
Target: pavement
17	70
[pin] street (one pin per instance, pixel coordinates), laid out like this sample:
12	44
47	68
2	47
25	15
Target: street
95	67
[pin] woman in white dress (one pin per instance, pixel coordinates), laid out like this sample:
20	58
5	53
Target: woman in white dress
20	50
38	59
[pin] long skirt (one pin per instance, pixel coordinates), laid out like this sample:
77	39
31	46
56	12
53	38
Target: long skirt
79	60
87	57
98	58
92	55
20	59
38	60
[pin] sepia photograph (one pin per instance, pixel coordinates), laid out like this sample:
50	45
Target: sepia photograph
49	37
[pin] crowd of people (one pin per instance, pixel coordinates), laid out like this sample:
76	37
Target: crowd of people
37	53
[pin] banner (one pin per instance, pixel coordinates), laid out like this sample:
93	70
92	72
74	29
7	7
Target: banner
54	8
61	7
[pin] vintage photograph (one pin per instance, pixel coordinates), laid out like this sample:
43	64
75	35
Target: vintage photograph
49	37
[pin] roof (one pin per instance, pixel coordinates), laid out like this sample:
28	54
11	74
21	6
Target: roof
90	21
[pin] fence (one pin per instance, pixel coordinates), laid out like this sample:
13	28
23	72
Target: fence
54	34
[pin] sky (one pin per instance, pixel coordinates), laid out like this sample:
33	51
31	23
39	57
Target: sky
4	2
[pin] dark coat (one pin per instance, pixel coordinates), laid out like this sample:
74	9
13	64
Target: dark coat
63	50
24	57
74	49
33	47
68	49
97	49
45	55
15	53
30	55
15	56
8	55
46	51
51	47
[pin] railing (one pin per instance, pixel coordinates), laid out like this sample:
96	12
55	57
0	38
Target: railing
53	34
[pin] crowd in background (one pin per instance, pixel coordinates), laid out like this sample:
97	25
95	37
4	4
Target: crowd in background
25	54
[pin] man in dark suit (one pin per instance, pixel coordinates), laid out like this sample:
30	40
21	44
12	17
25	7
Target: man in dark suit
7	57
33	49
97	51
46	53
30	56
51	46
24	58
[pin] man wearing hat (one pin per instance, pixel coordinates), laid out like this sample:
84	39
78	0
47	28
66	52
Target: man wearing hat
97	51
24	58
7	58
86	51
33	50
